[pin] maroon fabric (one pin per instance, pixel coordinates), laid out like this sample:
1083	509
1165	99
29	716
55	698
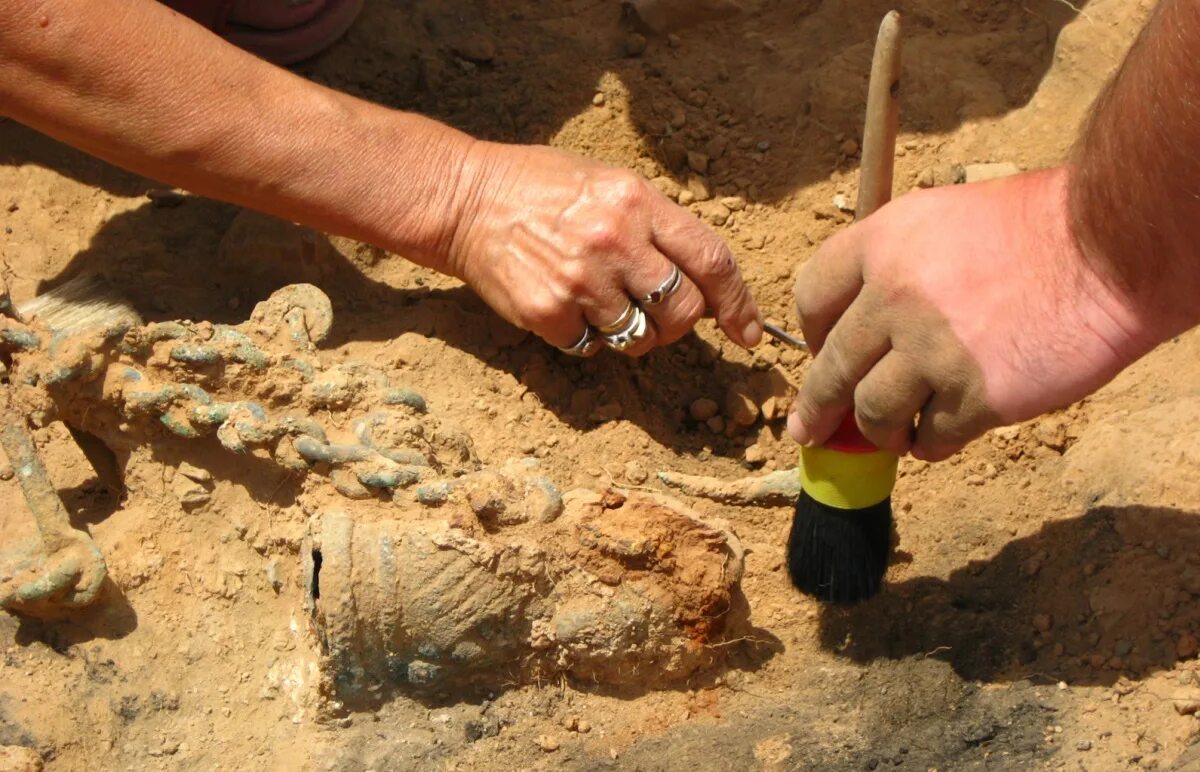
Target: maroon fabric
275	14
281	31
301	42
211	13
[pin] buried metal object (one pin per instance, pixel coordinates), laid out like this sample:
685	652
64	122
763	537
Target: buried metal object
637	594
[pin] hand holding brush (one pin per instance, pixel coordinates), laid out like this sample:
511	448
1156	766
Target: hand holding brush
841	530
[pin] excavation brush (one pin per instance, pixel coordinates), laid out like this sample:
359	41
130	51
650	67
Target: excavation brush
841	532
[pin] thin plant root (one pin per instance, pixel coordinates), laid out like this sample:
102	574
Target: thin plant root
776	489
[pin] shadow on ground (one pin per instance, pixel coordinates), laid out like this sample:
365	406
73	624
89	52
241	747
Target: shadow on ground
1084	600
789	74
199	259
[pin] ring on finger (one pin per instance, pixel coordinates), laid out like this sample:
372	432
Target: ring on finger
669	287
635	331
621	322
587	344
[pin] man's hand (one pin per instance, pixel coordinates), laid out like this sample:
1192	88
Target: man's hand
555	242
951	311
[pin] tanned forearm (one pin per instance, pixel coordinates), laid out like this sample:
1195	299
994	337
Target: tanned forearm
1135	190
145	88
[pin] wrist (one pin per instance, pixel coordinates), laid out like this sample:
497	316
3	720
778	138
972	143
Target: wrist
481	165
1136	298
421	193
1133	243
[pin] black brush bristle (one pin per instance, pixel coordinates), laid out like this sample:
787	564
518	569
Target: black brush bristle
839	555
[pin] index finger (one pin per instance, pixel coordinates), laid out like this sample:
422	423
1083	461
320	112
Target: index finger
709	263
827	284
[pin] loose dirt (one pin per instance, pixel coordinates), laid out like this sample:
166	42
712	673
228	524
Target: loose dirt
1041	612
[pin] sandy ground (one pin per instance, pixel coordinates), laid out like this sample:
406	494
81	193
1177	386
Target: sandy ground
1041	612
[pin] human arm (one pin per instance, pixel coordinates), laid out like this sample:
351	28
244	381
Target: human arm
136	84
960	309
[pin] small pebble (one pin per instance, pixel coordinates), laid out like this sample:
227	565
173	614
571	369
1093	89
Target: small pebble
1083	745
754	455
1186	702
716	424
547	743
598	100
6	470
703	409
715	147
635	474
699	187
740	407
477	49
849	147
985	172
769	355
634	44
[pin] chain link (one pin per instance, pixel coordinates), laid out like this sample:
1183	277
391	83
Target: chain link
171	376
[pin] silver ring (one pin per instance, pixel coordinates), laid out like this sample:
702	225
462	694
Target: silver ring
621	322
587	344
665	290
633	333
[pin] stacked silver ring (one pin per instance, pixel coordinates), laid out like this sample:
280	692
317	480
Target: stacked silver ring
587	344
631	327
634	325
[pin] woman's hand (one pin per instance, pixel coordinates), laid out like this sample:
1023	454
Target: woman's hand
556	243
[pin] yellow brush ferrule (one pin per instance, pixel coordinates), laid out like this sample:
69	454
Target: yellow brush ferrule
847	480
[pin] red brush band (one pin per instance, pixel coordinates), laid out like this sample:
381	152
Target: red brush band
848	439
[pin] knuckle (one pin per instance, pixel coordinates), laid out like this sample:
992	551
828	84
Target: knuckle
625	190
832	378
869	411
691	310
576	280
602	234
540	312
716	261
873	410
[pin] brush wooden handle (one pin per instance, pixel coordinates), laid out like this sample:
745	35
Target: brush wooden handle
883	120
875	172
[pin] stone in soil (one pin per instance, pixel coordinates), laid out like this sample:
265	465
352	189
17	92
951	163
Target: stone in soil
703	409
740	406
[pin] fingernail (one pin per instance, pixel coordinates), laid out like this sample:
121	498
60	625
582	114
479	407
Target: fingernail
752	333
